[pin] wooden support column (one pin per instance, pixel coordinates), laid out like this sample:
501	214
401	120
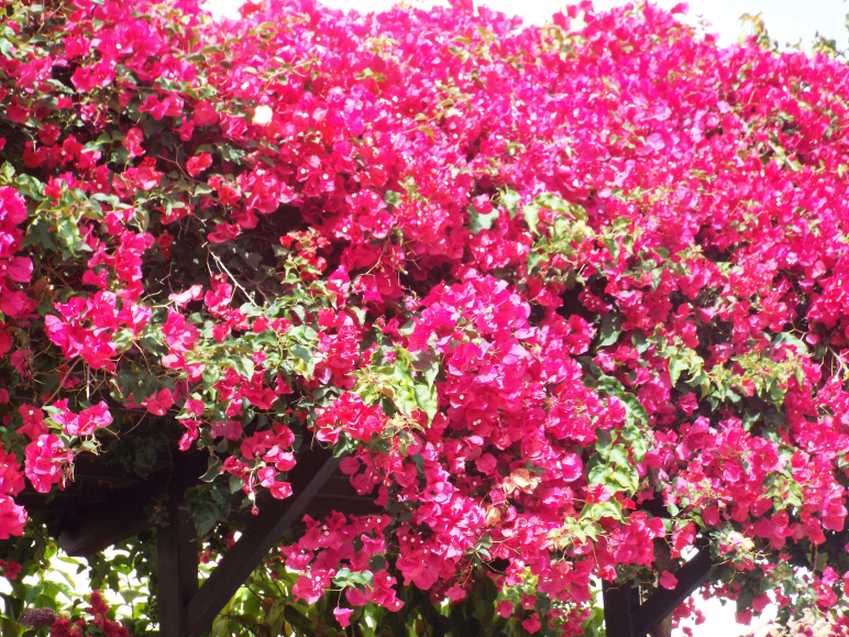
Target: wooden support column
176	569
262	534
620	605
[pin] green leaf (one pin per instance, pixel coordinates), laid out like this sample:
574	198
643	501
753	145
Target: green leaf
600	510
552	202
598	474
619	456
244	365
623	478
213	469
426	399
510	200
7	171
7	49
305	357
38	234
345	578
531	215
479	221
609	331
231	153
676	366
640	342
208	511
639	448
392	198
69	233
10	628
298	620
594	625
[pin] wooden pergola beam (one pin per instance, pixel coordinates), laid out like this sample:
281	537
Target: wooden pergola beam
625	616
185	610
257	540
662	602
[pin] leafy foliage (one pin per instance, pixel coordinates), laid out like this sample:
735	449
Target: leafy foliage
567	301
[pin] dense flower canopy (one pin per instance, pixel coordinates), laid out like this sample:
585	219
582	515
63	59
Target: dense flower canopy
567	301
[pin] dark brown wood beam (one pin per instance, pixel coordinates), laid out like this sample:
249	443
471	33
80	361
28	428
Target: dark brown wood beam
662	602
625	616
264	532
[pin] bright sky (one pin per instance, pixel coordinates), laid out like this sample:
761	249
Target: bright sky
788	21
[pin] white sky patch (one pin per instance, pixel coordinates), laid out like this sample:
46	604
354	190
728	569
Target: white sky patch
788	21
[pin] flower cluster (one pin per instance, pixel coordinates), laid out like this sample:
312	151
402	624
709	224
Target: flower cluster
14	268
13	517
98	623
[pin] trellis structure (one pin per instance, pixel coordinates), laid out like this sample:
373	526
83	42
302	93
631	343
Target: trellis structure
102	508
86	520
187	609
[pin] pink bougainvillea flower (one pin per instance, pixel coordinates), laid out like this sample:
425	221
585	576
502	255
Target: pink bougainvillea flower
46	461
10	569
553	295
93	418
13	518
132	142
204	113
11	478
33	421
197	164
84	423
532	624
343	616
160	402
668	580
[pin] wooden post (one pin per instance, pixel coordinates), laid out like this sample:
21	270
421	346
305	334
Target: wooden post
176	569
620	606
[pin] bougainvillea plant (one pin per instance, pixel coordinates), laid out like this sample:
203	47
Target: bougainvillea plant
566	301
